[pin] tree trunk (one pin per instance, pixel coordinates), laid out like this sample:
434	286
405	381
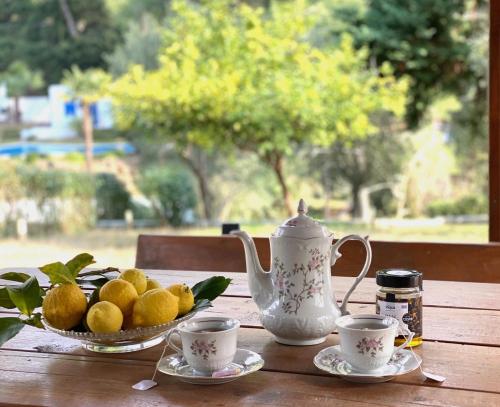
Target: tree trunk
356	203
206	195
68	18
17	110
277	165
88	135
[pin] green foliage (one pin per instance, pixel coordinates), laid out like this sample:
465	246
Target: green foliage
13	276
210	288
362	163
26	296
253	81
141	45
5	300
79	262
171	191
88	86
20	79
425	40
60	273
37	33
234	76
112	198
468	205
9	327
126	11
63	197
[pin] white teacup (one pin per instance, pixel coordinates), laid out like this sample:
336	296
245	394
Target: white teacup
208	344
367	341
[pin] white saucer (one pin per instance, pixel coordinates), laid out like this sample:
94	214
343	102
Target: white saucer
332	361
244	360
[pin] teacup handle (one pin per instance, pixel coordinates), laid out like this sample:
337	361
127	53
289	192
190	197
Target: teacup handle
409	336
172	332
336	254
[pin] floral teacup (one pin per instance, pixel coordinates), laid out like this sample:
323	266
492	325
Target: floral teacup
208	344
367	341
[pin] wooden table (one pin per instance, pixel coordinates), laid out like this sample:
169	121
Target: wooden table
462	342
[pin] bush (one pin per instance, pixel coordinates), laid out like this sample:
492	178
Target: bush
468	205
112	198
171	192
65	199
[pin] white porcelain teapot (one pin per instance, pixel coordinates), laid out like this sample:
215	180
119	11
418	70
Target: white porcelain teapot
295	297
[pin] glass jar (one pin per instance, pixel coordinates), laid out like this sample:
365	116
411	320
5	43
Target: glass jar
400	296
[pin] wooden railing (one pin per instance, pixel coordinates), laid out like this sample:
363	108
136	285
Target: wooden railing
437	261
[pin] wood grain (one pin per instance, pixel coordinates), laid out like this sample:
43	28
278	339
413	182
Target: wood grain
457	325
440	324
436	293
437	261
62	380
464	366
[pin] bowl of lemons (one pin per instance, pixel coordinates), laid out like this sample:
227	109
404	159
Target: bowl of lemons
125	311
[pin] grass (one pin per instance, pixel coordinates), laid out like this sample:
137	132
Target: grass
117	247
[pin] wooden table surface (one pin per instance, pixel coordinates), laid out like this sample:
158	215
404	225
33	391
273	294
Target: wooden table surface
462	343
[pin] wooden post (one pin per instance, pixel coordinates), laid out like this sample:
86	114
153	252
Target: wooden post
494	112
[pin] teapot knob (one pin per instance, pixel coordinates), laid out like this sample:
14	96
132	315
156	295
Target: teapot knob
302	209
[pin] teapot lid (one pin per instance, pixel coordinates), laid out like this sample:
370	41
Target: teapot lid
302	226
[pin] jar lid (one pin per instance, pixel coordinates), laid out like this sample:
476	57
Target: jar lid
399	278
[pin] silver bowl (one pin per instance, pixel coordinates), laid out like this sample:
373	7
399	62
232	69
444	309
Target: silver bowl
130	340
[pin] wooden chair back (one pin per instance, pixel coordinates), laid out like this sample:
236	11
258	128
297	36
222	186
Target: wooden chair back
437	261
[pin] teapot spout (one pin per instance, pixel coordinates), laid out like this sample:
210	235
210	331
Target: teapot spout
259	281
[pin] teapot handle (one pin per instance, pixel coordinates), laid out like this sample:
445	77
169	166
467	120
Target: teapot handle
336	254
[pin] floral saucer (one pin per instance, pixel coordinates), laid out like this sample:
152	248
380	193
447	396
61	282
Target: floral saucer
332	361
244	363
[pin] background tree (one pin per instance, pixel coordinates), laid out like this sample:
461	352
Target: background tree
20	79
424	40
231	76
141	45
363	163
87	87
37	32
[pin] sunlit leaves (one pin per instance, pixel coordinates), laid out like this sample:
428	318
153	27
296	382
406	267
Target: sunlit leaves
233	76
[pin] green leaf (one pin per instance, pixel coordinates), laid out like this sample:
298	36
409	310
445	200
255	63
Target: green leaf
35	320
58	273
26	296
210	288
9	327
79	262
5	300
13	276
201	305
96	282
94	298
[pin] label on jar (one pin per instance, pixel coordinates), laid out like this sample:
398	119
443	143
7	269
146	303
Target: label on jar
396	310
407	312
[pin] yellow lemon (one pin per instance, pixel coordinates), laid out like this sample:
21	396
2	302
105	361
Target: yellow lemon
104	317
64	306
137	278
155	307
121	293
152	283
185	295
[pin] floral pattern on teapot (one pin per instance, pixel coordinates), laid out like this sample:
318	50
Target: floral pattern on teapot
312	280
